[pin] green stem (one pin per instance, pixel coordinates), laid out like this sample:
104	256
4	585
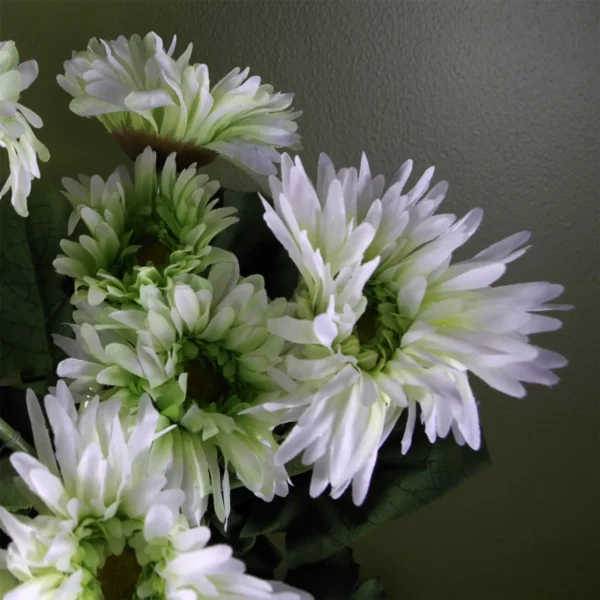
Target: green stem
13	440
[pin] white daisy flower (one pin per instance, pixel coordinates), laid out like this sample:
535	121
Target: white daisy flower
16	122
167	219
201	349
145	97
107	527
385	322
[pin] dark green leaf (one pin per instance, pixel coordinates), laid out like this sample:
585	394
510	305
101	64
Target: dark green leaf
13	409
372	589
258	553
33	300
336	578
262	559
255	246
231	533
331	579
318	528
10	497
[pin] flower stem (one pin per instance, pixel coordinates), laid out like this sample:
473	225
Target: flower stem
12	439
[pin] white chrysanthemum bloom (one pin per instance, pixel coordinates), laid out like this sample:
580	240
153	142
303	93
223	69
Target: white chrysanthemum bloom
385	322
145	97
93	490
16	122
201	349
186	569
164	218
164	559
107	526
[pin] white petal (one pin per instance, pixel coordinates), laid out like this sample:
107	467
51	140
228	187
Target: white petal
124	357
190	539
410	426
73	368
158	523
325	330
146	100
207	560
475	278
29	72
187	304
411	296
298	331
41	438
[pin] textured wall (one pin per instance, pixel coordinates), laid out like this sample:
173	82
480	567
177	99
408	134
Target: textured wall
503	97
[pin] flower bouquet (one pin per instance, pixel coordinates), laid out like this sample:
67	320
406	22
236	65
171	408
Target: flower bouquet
219	366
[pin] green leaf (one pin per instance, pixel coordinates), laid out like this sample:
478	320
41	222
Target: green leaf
256	248
331	579
318	528
371	589
259	554
33	300
10	497
336	578
262	559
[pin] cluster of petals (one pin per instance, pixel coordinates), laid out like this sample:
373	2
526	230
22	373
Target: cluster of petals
387	324
148	348
100	492
16	122
182	373
135	85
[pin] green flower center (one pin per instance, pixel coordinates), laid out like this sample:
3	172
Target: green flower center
154	251
366	327
378	332
206	382
119	576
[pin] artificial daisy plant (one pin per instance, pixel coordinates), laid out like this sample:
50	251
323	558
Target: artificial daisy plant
231	365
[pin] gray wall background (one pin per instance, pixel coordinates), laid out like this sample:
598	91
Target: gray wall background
503	96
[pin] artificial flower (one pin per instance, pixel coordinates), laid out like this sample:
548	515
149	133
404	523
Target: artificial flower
201	349
167	219
144	96
93	490
185	568
16	122
107	526
384	321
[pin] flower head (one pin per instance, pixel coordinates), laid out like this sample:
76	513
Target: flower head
16	122
385	322
107	526
99	467
166	219
93	491
186	568
201	349
144	97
